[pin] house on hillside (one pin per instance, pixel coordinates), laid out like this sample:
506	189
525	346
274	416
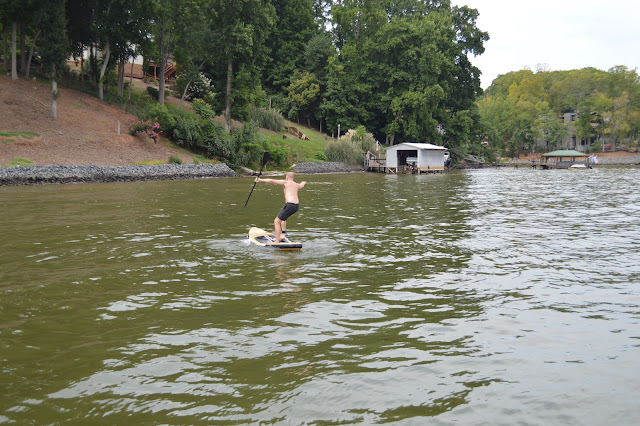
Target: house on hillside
136	68
418	158
570	141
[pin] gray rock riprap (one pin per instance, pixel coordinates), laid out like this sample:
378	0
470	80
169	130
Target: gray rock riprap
631	159
329	167
28	175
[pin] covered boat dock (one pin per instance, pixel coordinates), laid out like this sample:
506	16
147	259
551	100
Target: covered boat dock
565	158
408	157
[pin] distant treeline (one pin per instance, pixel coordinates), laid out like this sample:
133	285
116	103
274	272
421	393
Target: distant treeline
522	108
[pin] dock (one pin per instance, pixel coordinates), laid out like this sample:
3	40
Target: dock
377	162
532	164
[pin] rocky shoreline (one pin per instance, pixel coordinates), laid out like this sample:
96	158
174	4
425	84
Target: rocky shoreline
34	175
328	167
619	161
30	175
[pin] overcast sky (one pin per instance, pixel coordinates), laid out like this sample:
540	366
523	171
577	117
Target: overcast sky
563	34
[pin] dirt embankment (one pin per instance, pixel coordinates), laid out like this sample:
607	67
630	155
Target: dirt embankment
85	132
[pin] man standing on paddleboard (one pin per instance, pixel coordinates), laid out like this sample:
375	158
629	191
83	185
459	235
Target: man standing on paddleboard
291	202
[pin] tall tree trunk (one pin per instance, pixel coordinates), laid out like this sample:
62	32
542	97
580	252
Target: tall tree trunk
91	59
23	48
102	70
184	92
93	62
33	45
163	64
228	100
54	96
5	61
121	78
133	61
82	65
14	65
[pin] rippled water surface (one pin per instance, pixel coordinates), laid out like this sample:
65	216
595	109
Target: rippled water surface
478	297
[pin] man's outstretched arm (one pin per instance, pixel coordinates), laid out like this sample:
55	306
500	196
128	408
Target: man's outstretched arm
276	181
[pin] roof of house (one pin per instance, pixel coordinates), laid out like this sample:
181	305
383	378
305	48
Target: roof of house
565	153
416	145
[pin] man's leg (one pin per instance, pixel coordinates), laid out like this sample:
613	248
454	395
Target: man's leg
283	228
277	226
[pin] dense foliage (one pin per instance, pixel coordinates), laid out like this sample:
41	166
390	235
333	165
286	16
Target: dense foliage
523	108
400	68
350	148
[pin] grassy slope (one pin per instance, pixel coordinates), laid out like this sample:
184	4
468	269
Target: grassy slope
302	150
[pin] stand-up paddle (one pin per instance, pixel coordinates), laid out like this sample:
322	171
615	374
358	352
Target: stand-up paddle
265	158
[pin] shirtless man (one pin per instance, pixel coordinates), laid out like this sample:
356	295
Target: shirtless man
291	202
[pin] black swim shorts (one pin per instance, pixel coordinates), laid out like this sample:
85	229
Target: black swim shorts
288	210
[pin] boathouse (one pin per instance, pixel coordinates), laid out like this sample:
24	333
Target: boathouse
415	158
565	158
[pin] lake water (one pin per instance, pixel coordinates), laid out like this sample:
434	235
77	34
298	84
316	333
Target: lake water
505	296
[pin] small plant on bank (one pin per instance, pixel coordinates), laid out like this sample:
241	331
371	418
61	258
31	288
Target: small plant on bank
146	128
321	156
175	160
268	118
153	92
19	161
595	148
203	109
149	163
350	148
8	137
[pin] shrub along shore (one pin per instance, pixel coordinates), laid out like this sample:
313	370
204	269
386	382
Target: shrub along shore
31	175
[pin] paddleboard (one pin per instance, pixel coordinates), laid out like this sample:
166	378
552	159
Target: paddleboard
264	238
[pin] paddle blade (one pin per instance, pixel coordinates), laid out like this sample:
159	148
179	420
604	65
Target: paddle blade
265	158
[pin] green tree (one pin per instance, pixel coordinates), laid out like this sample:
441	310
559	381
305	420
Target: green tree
317	53
322	12
303	94
620	123
79	29
54	46
12	12
354	19
168	23
240	29
33	26
294	27
407	70
130	19
193	46
104	28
